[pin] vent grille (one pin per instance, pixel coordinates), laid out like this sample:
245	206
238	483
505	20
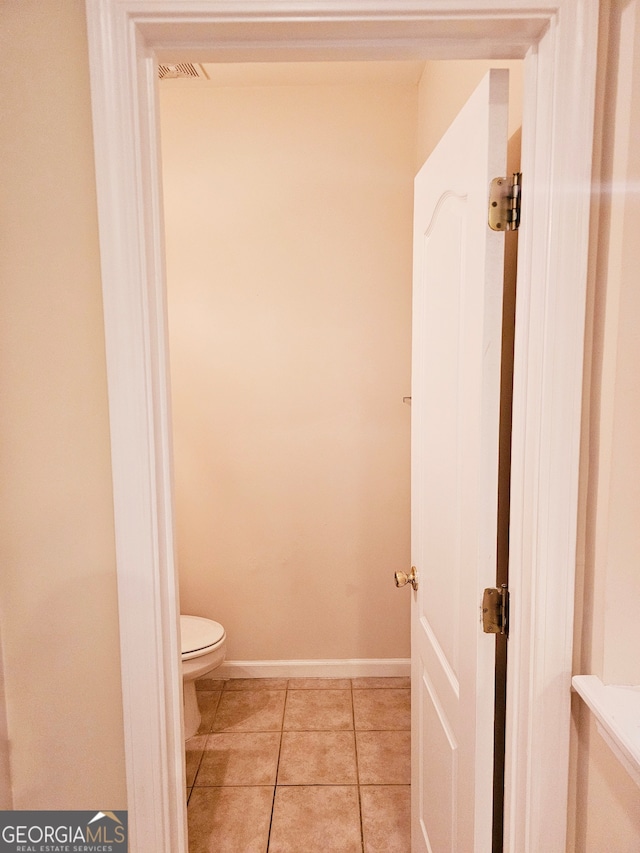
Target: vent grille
181	69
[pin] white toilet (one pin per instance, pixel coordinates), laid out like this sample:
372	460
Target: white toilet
203	644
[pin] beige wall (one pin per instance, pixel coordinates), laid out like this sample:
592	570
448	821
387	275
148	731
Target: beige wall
443	90
57	584
605	802
615	389
288	213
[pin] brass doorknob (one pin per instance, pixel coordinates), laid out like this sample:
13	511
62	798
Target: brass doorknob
402	578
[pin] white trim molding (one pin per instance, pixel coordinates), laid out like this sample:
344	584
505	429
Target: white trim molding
557	39
616	708
364	668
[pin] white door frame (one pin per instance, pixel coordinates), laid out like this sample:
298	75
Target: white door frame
558	40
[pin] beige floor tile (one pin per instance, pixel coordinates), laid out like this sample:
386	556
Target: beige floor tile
319	683
384	758
229	820
210	683
382	709
386	818
239	758
316	819
317	758
193	749
250	711
382	683
208	704
318	710
256	684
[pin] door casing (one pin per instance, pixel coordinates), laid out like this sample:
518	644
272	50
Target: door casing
558	41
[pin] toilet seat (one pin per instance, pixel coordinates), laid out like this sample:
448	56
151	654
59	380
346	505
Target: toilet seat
198	636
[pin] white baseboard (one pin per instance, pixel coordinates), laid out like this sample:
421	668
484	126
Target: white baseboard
366	668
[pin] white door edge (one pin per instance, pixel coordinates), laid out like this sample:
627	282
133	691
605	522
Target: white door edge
559	39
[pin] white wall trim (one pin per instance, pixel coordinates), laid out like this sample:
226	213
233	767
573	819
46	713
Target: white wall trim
365	668
6	789
616	708
559	39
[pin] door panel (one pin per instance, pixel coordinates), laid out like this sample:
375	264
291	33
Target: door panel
457	328
438	808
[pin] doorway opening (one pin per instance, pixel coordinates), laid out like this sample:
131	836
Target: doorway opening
276	296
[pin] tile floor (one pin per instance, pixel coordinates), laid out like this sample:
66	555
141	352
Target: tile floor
300	766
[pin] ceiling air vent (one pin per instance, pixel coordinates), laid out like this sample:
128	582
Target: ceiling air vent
182	70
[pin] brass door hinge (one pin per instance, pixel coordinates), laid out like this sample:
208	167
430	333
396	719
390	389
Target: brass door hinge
504	203
495	611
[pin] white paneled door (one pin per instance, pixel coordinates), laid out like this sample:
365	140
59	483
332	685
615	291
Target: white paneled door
457	327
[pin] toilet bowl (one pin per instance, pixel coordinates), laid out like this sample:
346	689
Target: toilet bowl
203	646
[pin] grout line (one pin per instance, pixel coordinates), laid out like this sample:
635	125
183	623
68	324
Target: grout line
355	747
195	776
206	735
275	783
305	785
